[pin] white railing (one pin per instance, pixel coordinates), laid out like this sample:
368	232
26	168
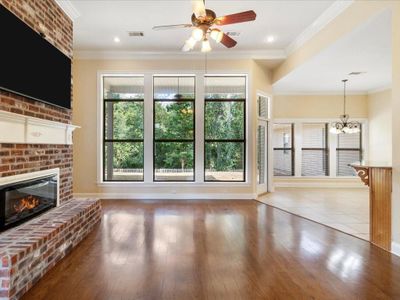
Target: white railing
168	170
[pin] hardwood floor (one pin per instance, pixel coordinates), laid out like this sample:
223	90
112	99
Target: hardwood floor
217	250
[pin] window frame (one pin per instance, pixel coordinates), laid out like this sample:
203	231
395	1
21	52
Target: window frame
359	150
104	139
193	141
332	148
243	141
292	149
148	129
325	150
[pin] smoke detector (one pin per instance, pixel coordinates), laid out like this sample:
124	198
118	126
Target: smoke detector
136	33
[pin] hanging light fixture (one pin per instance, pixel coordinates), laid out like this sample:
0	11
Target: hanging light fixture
198	34
205	46
344	125
189	45
216	35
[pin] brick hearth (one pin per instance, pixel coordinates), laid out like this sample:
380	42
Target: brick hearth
28	251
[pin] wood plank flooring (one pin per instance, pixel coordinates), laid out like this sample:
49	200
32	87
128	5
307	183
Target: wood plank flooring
217	250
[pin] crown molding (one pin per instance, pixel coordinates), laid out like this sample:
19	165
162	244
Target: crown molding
318	93
380	89
257	54
70	10
324	19
333	93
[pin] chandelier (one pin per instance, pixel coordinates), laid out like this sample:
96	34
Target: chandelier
344	125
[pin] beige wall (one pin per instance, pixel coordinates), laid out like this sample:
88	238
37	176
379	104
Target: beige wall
380	126
319	106
85	93
396	126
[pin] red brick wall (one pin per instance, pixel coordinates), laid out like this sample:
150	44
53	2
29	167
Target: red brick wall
47	17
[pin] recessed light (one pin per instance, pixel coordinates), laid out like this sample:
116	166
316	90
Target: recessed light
116	39
270	39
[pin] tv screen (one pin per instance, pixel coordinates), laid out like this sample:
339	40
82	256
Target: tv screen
30	65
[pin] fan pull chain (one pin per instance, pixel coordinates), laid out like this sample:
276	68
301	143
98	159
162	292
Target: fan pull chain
205	63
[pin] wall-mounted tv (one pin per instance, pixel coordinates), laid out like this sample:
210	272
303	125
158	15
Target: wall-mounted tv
30	65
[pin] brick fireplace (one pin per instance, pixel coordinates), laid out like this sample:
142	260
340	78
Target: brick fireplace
47	17
26	196
40	225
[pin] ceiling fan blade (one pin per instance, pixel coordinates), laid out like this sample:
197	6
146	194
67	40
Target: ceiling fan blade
227	41
244	16
177	26
199	8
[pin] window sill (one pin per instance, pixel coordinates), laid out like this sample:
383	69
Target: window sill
173	184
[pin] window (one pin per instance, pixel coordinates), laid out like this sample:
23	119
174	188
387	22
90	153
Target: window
225	128
349	150
261	154
123	128
263	107
174	139
263	104
126	147
283	149
315	150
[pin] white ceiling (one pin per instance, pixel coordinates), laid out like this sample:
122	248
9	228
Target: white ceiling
100	21
366	49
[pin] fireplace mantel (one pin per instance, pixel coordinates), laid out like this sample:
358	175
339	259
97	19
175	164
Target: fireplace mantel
21	129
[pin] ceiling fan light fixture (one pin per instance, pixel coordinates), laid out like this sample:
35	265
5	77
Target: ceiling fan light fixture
186	47
205	46
216	35
202	24
190	43
198	34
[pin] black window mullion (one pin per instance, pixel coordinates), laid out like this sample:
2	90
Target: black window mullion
112	141
291	149
339	150
224	100
238	141
324	150
174	100
163	140
123	100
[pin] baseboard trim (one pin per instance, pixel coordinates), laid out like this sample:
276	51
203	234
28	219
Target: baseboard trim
164	196
307	182
318	185
396	248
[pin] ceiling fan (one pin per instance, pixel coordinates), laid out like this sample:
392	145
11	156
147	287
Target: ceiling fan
203	24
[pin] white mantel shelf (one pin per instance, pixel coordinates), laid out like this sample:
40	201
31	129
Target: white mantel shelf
20	129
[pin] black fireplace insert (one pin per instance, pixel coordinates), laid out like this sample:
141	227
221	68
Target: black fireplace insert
21	201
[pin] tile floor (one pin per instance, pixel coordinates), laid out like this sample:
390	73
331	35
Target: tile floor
344	209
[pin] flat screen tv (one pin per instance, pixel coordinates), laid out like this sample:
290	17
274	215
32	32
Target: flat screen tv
30	65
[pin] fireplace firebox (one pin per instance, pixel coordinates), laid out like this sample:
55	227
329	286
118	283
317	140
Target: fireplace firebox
21	201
